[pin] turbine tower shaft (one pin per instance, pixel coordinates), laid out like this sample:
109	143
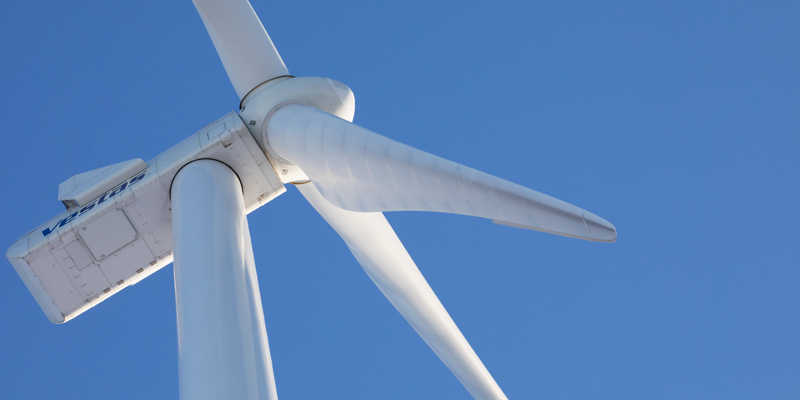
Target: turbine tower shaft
222	339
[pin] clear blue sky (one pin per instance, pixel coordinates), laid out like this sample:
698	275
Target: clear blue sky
678	121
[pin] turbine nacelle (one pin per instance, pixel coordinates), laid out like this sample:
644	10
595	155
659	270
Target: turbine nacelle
97	247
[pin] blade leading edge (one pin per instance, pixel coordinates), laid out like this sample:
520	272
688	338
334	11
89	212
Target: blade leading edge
266	376
384	258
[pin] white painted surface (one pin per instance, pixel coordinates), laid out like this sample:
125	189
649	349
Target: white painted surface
243	45
48	273
84	187
222	340
108	233
384	258
322	93
77	251
359	170
128	229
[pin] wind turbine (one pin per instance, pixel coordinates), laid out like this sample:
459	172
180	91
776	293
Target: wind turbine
126	221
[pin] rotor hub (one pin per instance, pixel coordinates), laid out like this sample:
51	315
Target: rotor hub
263	101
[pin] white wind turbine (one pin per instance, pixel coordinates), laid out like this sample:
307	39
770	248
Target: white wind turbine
125	221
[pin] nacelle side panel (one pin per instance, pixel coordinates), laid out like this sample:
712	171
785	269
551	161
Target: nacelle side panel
87	253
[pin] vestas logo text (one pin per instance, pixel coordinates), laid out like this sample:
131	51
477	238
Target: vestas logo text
100	200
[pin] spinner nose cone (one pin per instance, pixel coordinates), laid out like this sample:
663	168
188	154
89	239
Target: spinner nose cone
347	100
601	229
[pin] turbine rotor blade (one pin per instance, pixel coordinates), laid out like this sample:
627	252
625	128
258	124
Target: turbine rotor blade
242	43
359	170
384	258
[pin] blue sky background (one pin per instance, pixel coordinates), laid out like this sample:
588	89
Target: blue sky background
678	121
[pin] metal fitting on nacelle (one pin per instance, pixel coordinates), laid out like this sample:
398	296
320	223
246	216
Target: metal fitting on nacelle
262	102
